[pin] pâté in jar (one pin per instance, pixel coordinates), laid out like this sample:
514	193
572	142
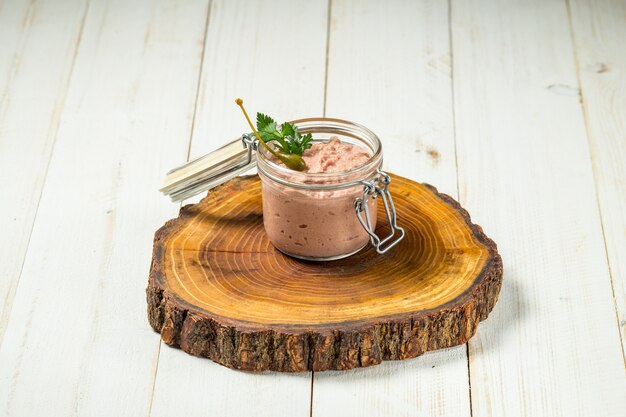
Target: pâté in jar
326	211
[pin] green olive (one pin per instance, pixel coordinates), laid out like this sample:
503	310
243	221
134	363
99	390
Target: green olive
292	161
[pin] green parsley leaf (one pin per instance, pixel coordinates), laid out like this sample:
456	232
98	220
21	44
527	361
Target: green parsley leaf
289	140
266	127
263	121
287	130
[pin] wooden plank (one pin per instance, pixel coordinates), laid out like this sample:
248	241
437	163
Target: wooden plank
279	75
551	346
599	30
389	69
284	77
31	100
78	342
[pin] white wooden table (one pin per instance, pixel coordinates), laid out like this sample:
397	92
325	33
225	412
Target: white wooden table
516	108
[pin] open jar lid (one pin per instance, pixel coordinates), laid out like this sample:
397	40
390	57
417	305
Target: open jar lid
210	170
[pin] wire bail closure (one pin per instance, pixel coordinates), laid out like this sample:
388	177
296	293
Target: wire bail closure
378	186
250	143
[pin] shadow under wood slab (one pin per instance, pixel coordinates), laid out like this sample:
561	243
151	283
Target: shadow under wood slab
219	289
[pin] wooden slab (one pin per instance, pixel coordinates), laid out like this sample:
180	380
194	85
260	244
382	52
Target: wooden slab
219	289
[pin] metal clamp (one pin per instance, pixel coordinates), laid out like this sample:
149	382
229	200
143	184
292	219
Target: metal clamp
378	186
249	143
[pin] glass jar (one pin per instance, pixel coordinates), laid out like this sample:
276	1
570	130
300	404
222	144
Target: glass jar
312	216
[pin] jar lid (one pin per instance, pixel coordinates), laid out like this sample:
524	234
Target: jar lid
210	170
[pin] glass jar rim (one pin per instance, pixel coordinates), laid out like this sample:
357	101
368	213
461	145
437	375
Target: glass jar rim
333	125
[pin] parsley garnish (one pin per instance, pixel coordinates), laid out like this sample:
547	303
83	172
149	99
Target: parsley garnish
291	160
288	138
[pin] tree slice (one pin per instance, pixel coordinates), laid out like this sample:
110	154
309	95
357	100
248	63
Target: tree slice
219	289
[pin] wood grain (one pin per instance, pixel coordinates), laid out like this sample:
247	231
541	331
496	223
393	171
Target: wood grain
525	174
126	110
598	29
31	33
389	69
120	129
240	60
219	289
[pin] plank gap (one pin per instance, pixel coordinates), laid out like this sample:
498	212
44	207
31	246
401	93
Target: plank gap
328	17
195	105
456	168
8	302
311	403
583	105
193	123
